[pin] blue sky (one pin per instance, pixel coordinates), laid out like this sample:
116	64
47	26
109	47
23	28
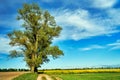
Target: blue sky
90	35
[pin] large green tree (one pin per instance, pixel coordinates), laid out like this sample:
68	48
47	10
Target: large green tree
36	38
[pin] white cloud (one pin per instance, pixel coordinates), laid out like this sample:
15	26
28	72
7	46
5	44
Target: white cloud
110	46
103	3
100	4
5	47
114	15
81	24
4	42
92	47
115	45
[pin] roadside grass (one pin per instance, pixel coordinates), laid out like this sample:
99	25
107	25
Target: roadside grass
90	76
27	76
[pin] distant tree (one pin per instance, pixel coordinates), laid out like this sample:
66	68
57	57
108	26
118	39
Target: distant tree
35	40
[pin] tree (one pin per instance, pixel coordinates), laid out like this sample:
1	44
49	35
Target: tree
35	40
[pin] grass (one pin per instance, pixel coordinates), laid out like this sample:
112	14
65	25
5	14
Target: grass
90	76
53	77
27	76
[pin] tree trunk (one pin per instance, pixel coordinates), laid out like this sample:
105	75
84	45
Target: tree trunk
34	69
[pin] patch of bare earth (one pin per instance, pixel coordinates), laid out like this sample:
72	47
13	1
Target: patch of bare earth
44	75
47	77
9	75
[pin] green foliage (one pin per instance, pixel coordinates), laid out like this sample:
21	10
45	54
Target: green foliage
90	76
27	76
35	40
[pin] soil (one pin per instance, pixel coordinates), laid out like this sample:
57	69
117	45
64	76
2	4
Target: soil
47	77
9	75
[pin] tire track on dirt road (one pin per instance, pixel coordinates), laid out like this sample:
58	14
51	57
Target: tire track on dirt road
47	77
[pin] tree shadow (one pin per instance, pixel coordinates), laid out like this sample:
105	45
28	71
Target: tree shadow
40	72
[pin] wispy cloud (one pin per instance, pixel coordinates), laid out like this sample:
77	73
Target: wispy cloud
113	16
5	47
81	24
92	47
4	42
110	46
103	3
99	4
115	45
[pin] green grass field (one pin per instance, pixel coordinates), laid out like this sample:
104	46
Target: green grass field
90	76
27	76
82	76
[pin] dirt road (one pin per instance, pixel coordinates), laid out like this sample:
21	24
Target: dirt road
44	75
9	75
47	77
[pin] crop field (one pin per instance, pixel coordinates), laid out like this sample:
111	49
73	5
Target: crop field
73	74
87	74
90	76
76	71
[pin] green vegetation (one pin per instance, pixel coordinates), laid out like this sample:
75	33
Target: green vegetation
27	76
77	71
35	40
74	76
90	76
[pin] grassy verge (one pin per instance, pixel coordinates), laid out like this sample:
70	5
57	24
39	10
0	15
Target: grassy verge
90	76
27	76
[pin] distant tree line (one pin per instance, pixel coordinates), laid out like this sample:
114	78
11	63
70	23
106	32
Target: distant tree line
84	68
12	69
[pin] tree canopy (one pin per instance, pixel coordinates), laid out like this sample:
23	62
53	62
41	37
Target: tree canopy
35	40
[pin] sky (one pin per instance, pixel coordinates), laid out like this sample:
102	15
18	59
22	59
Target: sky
90	35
